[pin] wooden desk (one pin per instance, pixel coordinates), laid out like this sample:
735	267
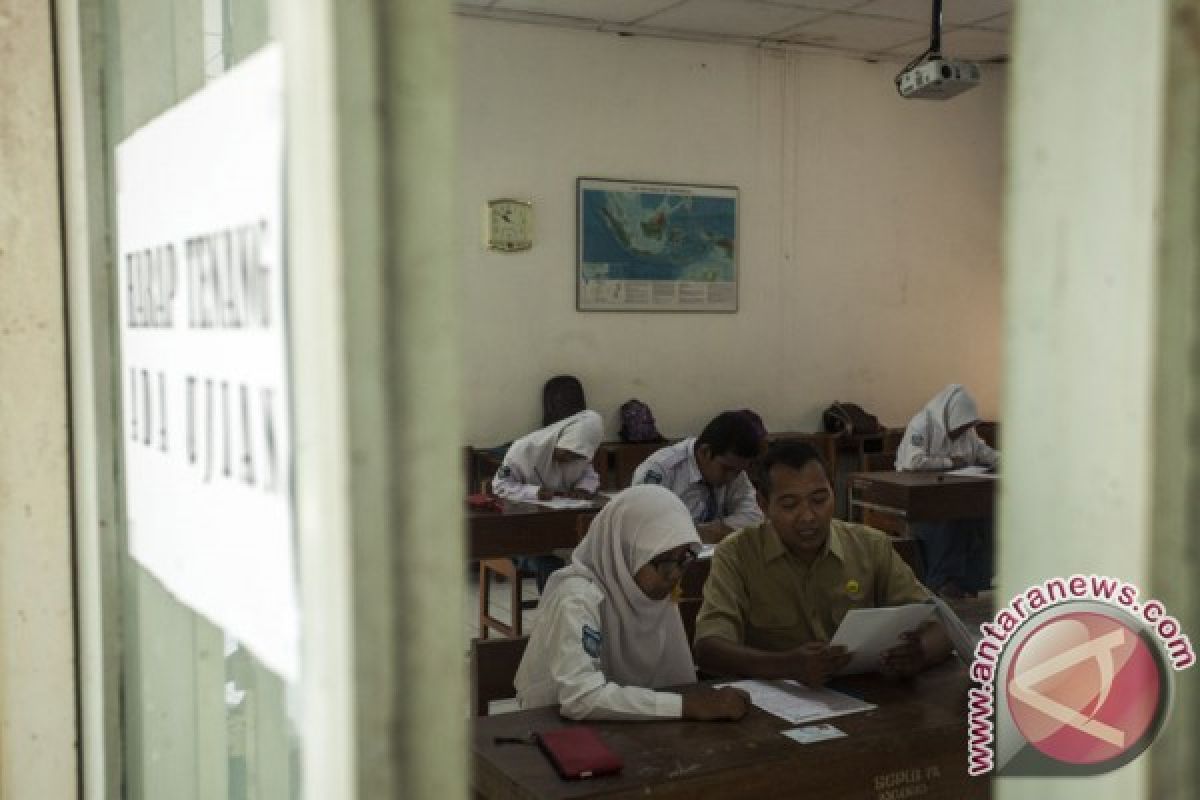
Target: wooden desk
916	738
923	496
522	529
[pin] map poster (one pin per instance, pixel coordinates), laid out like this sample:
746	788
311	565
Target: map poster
656	246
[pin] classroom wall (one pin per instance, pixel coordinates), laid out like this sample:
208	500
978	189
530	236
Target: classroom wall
869	238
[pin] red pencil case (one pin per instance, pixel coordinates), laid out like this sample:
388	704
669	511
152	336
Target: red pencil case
483	502
578	752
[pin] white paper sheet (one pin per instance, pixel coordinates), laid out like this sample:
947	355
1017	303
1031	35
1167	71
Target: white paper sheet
798	703
961	637
974	472
564	502
868	632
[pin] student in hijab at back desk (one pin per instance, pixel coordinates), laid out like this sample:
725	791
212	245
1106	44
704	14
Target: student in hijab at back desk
551	461
958	554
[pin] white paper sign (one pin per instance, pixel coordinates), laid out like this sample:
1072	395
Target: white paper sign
205	417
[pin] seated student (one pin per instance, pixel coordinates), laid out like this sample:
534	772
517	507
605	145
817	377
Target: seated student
958	553
777	592
552	461
606	636
709	475
942	435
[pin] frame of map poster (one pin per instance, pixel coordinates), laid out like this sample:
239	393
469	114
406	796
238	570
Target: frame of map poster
651	246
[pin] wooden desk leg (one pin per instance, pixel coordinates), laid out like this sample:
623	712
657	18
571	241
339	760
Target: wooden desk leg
485	589
505	567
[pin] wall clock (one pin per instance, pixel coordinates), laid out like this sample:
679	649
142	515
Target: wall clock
509	225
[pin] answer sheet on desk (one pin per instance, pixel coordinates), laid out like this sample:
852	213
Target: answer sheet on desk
564	502
974	472
798	703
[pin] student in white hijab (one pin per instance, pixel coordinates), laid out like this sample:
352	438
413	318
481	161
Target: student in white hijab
957	554
942	435
555	460
552	461
607	635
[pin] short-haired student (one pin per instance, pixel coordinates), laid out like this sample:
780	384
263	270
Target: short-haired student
708	472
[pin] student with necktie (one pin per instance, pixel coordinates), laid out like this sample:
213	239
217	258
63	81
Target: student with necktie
708	473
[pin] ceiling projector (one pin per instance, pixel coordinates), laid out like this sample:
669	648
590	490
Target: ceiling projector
937	79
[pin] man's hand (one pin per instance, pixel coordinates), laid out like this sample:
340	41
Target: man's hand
816	662
706	703
545	493
957	462
906	658
579	494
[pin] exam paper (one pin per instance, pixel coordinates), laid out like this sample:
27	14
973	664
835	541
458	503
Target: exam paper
961	637
798	703
974	472
868	632
564	502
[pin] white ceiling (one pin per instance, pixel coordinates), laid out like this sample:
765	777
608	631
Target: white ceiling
891	30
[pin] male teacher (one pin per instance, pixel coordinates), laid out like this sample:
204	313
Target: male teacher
778	591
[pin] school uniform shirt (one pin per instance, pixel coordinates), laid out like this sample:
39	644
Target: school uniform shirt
927	443
529	463
600	647
569	641
760	595
675	468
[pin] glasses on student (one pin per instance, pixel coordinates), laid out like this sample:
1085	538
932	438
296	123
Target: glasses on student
664	564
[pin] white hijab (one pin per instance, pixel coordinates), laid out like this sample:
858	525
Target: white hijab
580	433
644	641
952	408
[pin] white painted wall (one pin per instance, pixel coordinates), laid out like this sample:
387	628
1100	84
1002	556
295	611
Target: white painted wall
869	233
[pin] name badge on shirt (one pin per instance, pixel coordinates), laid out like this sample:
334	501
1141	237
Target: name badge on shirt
918	440
853	589
592	639
652	477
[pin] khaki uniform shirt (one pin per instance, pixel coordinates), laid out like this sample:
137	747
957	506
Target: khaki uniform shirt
760	595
